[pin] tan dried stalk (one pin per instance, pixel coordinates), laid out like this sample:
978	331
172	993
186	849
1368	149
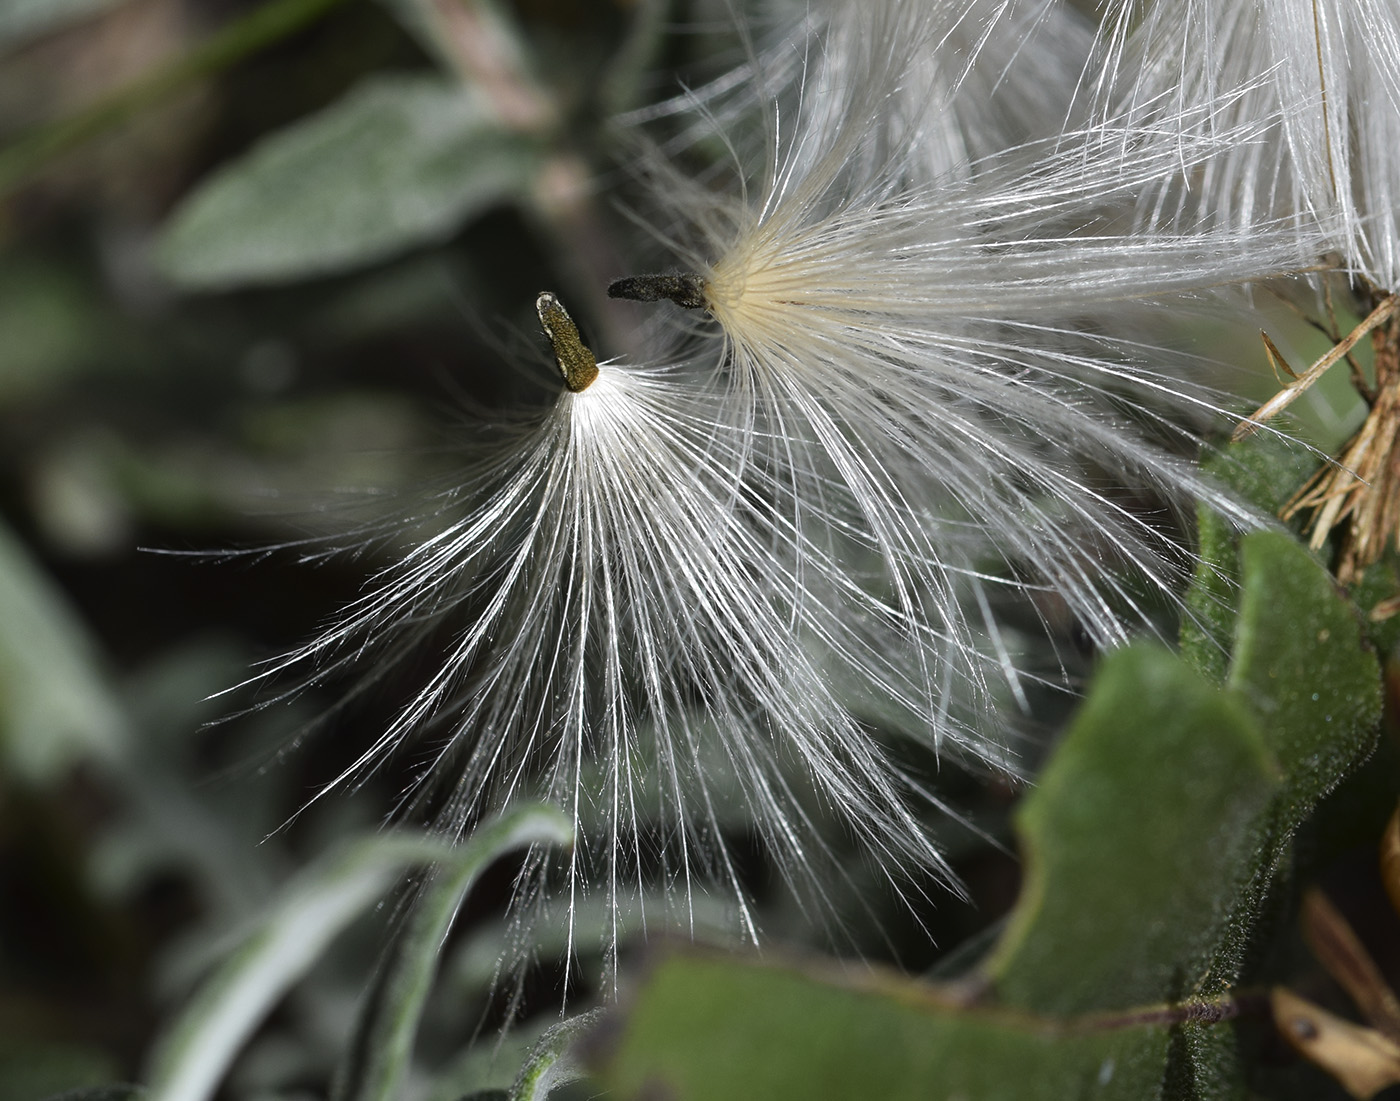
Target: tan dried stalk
1358	495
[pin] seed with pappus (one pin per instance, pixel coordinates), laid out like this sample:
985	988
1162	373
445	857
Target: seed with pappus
737	576
628	638
929	362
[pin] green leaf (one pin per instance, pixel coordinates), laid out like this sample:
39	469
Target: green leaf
1153	835
1139	827
400	161
1143	820
1151	842
1264	471
702	1029
552	1062
1380	583
1210	605
1301	662
55	705
382	1045
191	1058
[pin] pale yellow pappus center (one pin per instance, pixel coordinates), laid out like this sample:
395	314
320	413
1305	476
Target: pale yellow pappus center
753	290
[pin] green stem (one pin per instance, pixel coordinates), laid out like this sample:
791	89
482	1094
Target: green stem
275	20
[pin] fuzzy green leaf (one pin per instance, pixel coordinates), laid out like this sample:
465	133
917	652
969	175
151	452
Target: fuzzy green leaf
1152	836
702	1029
552	1062
1150	842
379	1053
1302	664
1264	471
1140	827
400	161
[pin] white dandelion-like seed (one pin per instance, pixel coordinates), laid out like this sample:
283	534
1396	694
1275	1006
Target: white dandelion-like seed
714	586
919	353
622	620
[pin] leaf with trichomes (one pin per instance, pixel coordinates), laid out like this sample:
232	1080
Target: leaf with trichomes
708	1029
1135	833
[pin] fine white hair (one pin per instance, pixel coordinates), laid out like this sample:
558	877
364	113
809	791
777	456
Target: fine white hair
715	583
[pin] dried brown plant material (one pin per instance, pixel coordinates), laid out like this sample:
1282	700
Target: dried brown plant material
1390	859
1363	1060
1301	383
1338	949
1358	494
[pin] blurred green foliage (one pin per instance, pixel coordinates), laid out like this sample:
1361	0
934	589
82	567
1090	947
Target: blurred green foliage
398	162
